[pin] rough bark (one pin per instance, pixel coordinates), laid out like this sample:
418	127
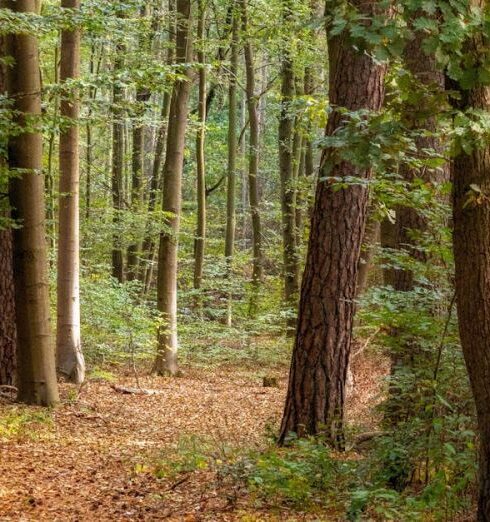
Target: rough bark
7	296
70	361
35	350
472	262
7	306
316	393
166	359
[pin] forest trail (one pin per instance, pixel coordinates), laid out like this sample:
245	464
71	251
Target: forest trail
95	457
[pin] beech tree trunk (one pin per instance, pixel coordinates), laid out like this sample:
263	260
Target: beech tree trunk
200	239
70	361
35	349
471	214
316	393
232	154
166	359
253	159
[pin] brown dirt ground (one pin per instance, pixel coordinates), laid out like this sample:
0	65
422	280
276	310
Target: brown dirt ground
95	460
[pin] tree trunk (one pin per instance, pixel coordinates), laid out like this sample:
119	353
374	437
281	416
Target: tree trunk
149	247
7	305
200	239
471	214
117	178
7	296
232	155
166	359
35	351
137	159
253	165
70	361
316	393
287	139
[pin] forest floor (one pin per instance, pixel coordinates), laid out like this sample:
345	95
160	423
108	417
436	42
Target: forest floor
108	456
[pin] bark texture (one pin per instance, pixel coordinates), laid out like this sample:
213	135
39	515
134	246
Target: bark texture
7	310
166	359
316	393
70	361
35	349
471	214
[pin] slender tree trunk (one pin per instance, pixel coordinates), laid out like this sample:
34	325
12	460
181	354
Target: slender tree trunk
117	178
253	165
166	360
316	393
471	214
232	155
149	247
200	239
35	350
138	158
70	361
287	170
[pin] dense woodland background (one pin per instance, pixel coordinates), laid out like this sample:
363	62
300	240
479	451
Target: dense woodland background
211	192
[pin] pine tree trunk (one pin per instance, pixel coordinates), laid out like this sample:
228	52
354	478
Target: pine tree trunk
35	350
253	165
471	214
232	155
316	393
70	361
200	239
166	360
7	297
7	306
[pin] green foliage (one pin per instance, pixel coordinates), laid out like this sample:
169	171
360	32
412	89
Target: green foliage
20	422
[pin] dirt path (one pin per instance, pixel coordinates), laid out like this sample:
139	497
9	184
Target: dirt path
94	458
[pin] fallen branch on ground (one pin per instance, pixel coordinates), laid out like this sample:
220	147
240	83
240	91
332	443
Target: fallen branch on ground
134	391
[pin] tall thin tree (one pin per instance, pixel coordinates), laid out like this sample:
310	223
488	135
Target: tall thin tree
70	361
166	359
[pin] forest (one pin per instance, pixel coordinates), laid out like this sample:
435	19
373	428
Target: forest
245	260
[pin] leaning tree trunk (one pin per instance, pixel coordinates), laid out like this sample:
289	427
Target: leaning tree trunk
70	361
35	351
471	214
316	393
166	359
253	160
